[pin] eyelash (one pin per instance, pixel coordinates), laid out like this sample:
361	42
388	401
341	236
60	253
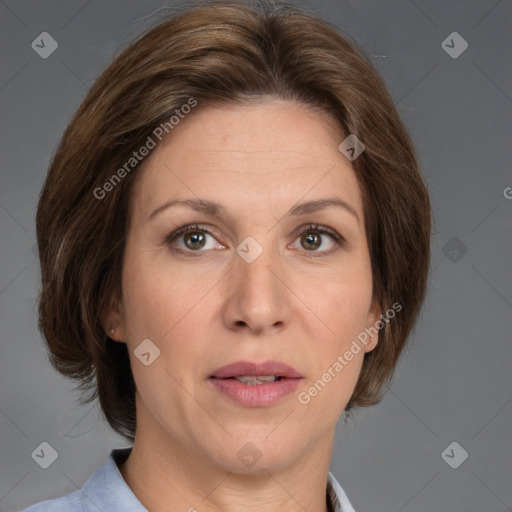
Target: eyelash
315	228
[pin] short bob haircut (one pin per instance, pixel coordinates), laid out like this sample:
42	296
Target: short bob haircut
221	52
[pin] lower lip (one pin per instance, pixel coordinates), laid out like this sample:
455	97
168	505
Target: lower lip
259	395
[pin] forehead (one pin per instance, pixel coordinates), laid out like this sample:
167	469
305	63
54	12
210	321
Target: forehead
268	155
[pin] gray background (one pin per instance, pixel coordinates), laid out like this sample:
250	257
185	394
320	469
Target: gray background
453	383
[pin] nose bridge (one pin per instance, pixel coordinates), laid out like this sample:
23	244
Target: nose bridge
253	269
257	298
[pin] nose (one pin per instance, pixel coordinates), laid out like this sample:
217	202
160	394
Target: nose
257	300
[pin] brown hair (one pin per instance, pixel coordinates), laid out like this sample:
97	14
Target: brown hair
227	52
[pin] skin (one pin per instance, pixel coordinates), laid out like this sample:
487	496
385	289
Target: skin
209	307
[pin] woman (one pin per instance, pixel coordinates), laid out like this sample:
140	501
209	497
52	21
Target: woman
234	242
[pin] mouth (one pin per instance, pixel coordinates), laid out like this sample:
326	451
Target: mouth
257	380
255	384
266	371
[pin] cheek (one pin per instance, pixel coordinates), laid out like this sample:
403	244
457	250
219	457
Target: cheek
157	299
341	307
326	394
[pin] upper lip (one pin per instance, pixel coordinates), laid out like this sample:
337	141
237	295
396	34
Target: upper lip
248	368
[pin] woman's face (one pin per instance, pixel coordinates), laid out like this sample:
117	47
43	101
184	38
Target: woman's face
256	280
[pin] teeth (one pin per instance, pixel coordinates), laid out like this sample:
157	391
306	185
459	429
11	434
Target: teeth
256	380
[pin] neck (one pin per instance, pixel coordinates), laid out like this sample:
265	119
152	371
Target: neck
166	474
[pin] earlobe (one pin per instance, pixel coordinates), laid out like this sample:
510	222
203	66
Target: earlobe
373	323
113	322
374	339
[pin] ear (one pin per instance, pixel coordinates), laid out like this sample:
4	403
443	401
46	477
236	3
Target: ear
113	320
374	315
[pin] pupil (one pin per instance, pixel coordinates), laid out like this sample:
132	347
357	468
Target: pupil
312	240
196	240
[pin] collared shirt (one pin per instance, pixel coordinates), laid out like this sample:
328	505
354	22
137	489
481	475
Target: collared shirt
106	491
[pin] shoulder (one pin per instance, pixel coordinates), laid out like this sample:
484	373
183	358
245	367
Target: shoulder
339	498
74	501
105	490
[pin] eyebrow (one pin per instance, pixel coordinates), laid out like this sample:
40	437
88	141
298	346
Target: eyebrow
215	209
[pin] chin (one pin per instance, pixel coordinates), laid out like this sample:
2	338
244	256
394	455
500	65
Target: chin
257	450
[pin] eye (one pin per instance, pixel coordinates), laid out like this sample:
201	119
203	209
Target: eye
193	238
314	237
